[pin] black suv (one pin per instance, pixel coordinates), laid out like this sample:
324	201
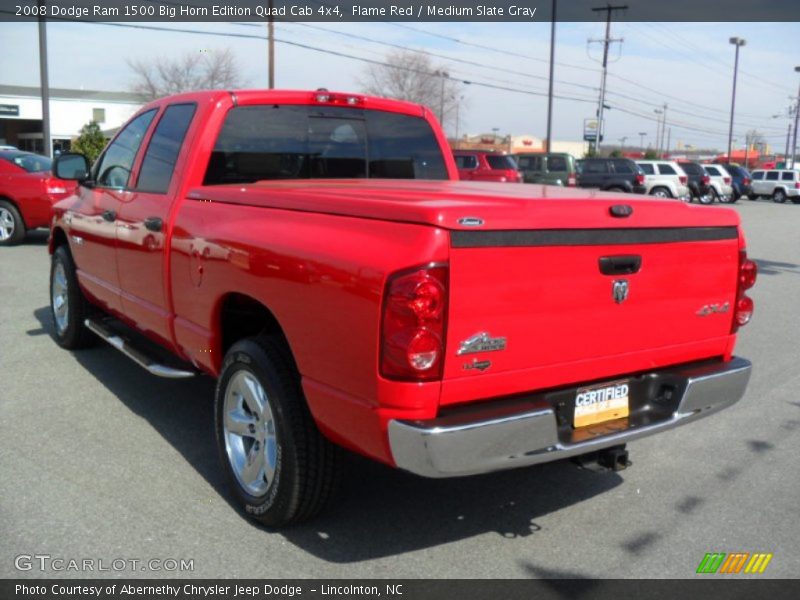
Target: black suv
612	174
698	181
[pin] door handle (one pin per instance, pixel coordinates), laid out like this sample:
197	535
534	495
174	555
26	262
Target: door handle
620	265
109	215
153	224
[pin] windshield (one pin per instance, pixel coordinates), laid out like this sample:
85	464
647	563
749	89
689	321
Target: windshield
32	163
322	142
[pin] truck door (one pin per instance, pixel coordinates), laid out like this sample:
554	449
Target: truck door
93	220
143	225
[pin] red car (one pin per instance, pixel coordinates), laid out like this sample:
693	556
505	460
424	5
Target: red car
480	165
315	253
27	194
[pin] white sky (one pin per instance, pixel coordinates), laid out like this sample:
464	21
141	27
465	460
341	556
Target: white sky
687	65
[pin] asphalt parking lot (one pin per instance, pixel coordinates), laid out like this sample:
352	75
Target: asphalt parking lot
100	460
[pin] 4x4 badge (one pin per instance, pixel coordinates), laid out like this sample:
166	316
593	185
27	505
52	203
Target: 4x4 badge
619	291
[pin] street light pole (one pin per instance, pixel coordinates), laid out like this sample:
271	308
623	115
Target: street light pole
659	112
738	42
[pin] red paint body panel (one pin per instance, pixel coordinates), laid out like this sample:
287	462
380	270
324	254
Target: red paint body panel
318	253
29	193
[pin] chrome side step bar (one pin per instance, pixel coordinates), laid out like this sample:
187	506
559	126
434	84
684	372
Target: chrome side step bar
136	355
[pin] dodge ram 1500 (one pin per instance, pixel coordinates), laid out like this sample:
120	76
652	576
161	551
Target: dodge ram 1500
315	253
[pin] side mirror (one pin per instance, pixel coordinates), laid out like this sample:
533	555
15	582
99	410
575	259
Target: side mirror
71	166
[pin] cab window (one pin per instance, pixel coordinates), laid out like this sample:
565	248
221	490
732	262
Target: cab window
114	167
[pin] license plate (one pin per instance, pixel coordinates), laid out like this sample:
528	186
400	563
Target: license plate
602	402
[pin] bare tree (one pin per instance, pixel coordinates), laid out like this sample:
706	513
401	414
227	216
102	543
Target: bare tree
163	76
413	77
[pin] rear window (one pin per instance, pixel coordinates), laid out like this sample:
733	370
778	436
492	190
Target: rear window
665	169
311	142
787	176
647	168
557	163
500	161
772	175
32	163
468	161
758	175
713	171
624	166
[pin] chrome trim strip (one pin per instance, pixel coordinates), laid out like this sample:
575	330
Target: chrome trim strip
451	447
134	354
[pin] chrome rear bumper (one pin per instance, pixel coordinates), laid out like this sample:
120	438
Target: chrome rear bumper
505	435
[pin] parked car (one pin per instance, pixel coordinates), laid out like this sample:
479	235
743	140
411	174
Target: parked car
27	194
486	166
280	242
7	147
551	169
612	174
665	179
778	184
698	182
719	185
741	180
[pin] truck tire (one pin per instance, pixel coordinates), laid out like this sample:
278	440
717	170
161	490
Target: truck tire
280	467
661	192
779	196
12	226
68	306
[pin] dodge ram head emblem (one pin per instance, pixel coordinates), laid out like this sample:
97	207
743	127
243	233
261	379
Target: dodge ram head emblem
481	342
619	290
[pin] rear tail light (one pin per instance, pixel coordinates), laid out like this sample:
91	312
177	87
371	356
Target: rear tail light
413	325
683	179
572	181
743	309
727	180
706	180
55	187
797	185
746	181
640	179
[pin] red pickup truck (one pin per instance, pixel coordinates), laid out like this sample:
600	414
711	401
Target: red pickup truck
315	253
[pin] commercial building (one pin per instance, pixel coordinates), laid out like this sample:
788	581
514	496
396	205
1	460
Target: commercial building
21	114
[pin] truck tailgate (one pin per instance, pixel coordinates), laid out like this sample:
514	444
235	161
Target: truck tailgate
577	305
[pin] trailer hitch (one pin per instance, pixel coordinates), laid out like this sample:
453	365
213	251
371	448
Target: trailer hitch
609	459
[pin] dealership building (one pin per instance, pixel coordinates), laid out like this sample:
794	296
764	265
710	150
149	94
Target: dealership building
70	109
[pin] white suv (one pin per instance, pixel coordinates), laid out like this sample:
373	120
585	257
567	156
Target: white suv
719	186
779	184
665	179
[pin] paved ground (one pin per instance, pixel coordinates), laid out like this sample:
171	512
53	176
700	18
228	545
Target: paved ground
100	460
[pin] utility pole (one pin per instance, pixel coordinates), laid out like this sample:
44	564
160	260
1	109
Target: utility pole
550	86
622	143
443	75
607	41
641	139
669	138
47	144
788	137
271	47
746	149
